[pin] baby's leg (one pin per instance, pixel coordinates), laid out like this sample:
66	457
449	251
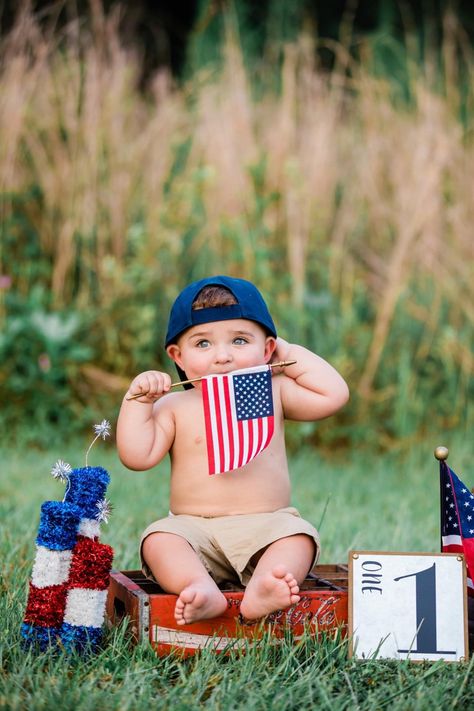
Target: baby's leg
274	584
178	570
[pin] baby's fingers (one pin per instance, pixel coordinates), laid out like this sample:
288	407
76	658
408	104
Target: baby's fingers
158	383
149	386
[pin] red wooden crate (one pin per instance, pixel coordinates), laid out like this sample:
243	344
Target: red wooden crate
323	606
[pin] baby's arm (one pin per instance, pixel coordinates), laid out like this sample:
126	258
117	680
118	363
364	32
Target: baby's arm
145	427
311	389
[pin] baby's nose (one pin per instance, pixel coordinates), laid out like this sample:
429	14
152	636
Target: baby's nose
223	355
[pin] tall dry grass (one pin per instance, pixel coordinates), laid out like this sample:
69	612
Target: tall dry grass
329	183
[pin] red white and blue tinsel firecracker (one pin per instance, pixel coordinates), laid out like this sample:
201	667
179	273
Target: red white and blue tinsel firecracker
91	562
70	577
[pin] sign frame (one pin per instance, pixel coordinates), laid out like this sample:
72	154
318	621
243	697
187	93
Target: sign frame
423	605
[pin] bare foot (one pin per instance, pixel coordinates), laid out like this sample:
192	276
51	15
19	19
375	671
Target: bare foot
275	590
199	602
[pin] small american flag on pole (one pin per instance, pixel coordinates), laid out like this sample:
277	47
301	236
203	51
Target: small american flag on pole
457	520
238	414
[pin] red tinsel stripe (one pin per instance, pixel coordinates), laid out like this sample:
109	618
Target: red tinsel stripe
91	564
45	606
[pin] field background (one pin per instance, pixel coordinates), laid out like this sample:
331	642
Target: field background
342	187
337	173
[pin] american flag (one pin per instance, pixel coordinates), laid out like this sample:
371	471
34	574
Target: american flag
238	413
457	520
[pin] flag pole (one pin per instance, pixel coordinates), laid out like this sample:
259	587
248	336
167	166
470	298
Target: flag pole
441	453
281	364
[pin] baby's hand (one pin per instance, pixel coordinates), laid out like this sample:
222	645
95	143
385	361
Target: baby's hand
281	353
151	385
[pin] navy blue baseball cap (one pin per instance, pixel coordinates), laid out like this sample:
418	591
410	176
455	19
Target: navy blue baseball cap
249	305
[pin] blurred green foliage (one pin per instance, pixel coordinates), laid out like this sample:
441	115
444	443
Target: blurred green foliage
340	195
46	398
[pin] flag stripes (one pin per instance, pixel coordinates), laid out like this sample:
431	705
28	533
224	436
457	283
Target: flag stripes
238	427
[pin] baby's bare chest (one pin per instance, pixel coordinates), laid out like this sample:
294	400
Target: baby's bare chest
190	427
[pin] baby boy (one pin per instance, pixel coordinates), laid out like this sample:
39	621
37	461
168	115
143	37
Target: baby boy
239	525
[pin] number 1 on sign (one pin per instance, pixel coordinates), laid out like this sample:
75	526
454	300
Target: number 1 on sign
425	596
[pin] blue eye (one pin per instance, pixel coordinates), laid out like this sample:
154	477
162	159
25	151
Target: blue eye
203	344
240	341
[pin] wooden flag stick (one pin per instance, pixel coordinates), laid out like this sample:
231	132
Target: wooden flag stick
281	364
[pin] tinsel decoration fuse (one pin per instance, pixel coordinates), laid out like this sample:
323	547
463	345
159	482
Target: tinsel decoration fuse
70	577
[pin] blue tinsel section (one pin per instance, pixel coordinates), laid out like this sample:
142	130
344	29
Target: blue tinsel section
80	638
87	486
58	526
39	637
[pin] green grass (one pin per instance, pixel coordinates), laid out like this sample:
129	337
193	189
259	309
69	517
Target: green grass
362	500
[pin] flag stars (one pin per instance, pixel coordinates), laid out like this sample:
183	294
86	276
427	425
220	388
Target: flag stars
457	516
253	396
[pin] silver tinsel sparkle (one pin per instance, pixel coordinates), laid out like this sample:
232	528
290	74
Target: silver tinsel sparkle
104	509
102	430
61	470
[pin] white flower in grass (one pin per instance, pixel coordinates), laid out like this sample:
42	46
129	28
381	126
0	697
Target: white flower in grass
61	470
102	430
104	509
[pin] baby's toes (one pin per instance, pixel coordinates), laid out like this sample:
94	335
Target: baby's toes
179	617
179	607
291	581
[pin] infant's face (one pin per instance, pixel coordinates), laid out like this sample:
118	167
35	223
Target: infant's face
221	347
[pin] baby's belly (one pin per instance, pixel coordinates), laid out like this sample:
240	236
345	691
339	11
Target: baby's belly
229	494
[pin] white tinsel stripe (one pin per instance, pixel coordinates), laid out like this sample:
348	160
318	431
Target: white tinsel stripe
50	567
85	607
89	527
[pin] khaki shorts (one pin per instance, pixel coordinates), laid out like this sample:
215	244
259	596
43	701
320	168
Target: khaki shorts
225	544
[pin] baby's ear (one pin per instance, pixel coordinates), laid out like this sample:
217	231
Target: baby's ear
270	345
174	353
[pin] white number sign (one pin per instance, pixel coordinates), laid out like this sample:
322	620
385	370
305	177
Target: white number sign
407	605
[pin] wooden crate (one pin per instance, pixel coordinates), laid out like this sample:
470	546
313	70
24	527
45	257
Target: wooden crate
323	606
